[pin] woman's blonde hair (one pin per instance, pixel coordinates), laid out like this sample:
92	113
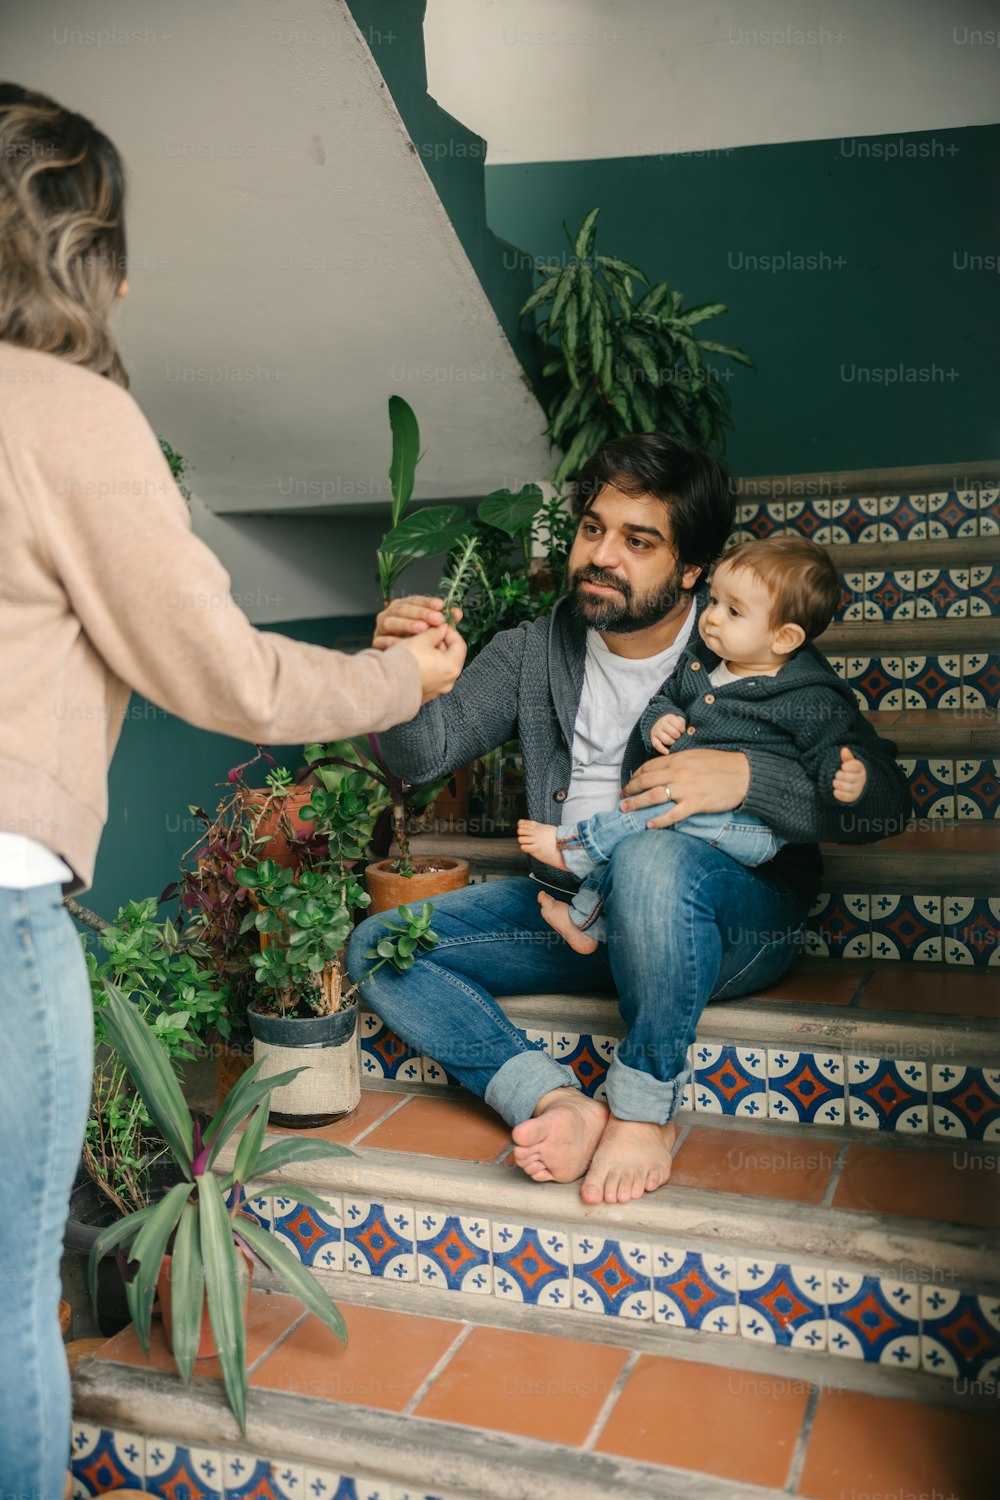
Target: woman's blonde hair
62	232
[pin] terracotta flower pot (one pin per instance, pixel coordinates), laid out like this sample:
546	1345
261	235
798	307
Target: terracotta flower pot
433	875
452	806
281	814
206	1341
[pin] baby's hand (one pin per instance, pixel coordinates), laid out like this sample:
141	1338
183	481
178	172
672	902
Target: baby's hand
851	779
666	732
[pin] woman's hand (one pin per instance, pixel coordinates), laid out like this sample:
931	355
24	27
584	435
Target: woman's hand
697	781
440	654
404	618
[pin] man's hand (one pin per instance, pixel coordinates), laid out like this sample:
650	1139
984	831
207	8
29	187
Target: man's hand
403	618
440	654
666	732
851	779
697	781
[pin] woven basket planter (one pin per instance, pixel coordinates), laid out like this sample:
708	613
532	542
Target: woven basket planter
326	1046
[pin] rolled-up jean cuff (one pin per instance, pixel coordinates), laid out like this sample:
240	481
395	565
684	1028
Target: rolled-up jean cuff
638	1096
516	1088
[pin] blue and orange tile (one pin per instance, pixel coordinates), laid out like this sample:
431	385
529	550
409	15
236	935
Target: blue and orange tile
379	1239
104	1459
873	1319
729	1080
885	1093
782	1304
805	1086
531	1264
694	1289
612	1277
960	1333
907	927
453	1252
965	1102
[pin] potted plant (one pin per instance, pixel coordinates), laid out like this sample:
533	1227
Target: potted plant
124	1163
390	881
273	812
193	1247
617	365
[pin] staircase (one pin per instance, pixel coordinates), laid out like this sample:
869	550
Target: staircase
812	1306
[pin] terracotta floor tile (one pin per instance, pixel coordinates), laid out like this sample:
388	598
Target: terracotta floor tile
747	1161
387	1356
463	1129
374	1104
807	984
525	1383
906	986
729	1423
271	1315
947	1185
867	1445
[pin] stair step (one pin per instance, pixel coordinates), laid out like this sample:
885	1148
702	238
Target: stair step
427	1200
943	553
421	1400
957	859
922	638
926	733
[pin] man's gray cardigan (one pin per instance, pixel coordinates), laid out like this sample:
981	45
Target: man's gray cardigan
527	682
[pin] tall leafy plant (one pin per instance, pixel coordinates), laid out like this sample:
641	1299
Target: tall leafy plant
623	359
194	1222
422	533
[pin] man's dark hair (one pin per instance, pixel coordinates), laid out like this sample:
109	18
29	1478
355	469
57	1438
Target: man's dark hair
694	485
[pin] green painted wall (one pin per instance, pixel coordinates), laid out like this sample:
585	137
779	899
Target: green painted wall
161	765
901	214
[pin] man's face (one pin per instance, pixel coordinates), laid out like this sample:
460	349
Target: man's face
624	575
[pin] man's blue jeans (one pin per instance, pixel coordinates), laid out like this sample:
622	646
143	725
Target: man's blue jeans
588	845
685	924
46	1070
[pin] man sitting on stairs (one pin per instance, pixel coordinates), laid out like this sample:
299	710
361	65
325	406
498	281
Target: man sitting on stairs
685	923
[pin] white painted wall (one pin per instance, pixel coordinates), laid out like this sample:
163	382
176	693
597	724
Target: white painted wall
290	267
568	80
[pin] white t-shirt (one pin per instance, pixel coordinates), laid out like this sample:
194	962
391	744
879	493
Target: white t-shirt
616	689
25	863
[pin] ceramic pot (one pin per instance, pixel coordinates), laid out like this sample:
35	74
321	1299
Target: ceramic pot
206	1340
276	817
433	875
326	1046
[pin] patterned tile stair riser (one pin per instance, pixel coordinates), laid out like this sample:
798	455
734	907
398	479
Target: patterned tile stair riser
941	516
944	1098
925	1322
105	1459
919	594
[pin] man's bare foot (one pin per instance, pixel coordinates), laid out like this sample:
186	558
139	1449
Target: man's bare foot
557	914
633	1157
556	1144
541	841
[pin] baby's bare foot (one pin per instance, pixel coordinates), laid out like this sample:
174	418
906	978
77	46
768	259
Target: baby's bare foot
557	914
633	1157
559	1140
539	840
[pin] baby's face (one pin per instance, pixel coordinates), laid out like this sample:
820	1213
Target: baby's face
735	623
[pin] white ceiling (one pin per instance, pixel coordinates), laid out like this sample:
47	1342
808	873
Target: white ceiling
290	263
572	80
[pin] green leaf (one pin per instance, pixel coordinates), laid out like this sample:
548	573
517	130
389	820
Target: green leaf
704	311
586	284
539	295
148	1248
112	1238
225	1284
187	1291
511	513
243	1097
643	355
574	406
405	452
737	354
584	242
623	267
598	335
284	1152
427	532
653	299
570	330
148	1065
250	1143
567	279
298	1278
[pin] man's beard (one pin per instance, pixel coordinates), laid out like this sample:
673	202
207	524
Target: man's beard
626	614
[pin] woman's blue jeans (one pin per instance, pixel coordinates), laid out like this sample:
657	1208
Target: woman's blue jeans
46	1069
587	846
686	924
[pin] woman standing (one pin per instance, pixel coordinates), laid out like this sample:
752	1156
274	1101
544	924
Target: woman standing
104	590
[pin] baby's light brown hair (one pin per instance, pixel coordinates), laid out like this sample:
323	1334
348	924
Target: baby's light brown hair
800	576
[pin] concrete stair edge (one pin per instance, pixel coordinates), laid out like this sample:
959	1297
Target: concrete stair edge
864	1243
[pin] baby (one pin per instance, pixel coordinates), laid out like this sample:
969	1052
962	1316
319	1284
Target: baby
766	688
